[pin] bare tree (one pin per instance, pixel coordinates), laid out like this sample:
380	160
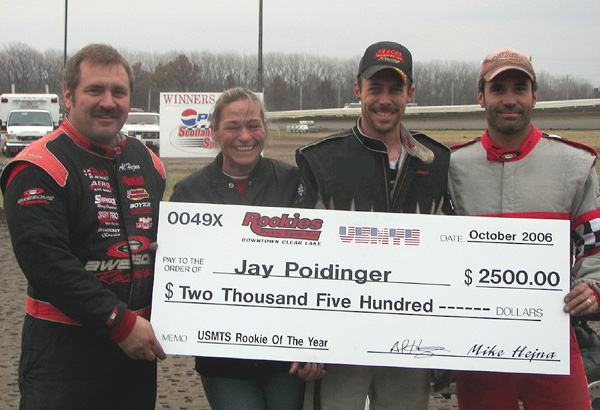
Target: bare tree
552	88
291	81
51	70
277	94
19	66
445	83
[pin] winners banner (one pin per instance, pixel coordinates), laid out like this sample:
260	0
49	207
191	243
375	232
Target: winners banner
363	288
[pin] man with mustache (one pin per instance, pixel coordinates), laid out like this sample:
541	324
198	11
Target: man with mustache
380	166
82	206
514	170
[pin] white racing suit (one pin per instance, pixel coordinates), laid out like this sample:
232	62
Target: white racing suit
546	178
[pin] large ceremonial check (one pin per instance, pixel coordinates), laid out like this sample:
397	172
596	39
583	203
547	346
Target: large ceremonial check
365	288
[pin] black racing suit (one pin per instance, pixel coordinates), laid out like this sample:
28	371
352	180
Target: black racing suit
351	171
81	219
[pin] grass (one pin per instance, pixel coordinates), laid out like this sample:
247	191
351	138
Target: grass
282	145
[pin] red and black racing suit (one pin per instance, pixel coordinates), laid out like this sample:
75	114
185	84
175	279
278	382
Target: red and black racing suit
81	219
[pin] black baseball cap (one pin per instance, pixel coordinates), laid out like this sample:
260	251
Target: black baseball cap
384	55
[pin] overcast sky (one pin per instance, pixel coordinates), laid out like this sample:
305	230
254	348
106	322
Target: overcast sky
561	36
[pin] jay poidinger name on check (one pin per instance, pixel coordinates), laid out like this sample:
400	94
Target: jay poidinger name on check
363	288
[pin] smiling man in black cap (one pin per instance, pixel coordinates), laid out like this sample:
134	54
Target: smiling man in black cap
379	166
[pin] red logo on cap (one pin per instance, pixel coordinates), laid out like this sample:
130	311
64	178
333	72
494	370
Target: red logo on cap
389	53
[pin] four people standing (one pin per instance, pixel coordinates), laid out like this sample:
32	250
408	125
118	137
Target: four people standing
86	336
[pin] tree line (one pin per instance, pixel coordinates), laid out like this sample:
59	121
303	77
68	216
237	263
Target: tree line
290	81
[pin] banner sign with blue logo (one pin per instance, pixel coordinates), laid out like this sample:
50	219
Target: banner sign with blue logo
185	125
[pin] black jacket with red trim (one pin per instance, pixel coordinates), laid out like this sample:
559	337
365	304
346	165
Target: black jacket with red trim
81	219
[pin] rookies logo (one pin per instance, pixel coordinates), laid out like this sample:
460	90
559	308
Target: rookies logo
380	236
284	226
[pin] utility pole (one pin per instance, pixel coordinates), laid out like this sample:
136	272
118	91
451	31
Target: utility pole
65	49
260	51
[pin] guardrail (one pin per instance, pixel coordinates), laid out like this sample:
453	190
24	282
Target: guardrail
421	110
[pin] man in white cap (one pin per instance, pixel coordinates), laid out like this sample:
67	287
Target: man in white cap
378	165
515	170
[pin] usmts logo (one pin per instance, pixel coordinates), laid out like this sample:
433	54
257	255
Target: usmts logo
284	226
380	236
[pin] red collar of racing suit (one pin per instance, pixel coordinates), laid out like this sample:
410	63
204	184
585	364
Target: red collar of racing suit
86	143
498	153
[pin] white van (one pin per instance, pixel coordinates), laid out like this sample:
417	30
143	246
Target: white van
25	118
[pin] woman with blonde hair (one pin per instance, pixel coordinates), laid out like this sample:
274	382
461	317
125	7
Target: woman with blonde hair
240	175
